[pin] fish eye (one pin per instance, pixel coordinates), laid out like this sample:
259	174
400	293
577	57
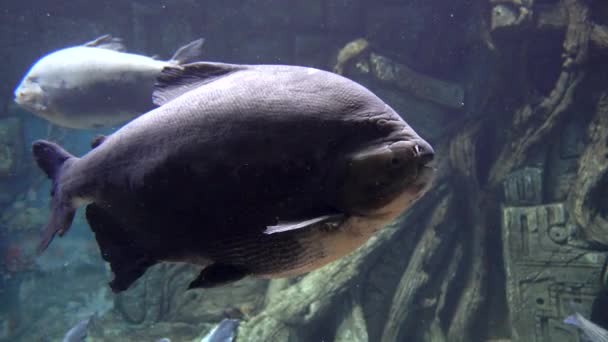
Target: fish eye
33	79
395	161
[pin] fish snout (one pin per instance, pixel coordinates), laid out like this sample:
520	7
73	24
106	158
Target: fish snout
19	96
424	152
31	98
417	151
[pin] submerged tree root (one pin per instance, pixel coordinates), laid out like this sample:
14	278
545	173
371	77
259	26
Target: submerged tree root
533	123
430	251
587	198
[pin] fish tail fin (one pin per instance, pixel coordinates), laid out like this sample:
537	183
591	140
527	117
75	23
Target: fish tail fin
51	158
188	53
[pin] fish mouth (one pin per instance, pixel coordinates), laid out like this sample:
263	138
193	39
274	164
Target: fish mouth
23	102
420	151
422	164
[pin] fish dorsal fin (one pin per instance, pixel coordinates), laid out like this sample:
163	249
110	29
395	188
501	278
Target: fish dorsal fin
97	140
107	42
330	220
188	53
174	81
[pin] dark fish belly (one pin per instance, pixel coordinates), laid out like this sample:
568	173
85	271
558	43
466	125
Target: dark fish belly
267	254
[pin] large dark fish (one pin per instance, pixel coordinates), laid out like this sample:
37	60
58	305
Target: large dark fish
96	84
266	170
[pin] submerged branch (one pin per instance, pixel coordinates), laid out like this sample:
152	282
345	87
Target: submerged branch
532	123
586	198
421	269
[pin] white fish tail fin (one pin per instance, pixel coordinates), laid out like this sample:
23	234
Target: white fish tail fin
51	158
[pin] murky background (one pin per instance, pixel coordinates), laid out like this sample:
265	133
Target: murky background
510	240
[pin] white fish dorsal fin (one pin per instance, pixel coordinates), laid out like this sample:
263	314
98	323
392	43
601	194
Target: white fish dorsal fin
106	42
177	80
288	226
188	53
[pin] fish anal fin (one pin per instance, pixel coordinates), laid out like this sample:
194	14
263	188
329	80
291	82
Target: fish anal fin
218	274
175	81
59	222
106	42
330	220
127	261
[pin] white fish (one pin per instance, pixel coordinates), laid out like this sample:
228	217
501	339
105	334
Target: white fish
591	330
95	85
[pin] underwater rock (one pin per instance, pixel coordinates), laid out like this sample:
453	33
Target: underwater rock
11	145
356	57
441	92
349	52
511	15
544	273
563	160
421	99
524	186
588	193
161	296
503	16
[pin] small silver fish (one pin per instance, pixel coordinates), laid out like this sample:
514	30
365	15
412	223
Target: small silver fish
223	332
591	330
78	333
95	85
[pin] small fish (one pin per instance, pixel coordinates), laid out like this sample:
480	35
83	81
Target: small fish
268	171
223	332
591	330
78	333
95	85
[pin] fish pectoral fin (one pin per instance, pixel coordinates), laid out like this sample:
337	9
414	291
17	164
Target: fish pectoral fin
127	261
330	220
106	42
174	81
97	140
218	274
